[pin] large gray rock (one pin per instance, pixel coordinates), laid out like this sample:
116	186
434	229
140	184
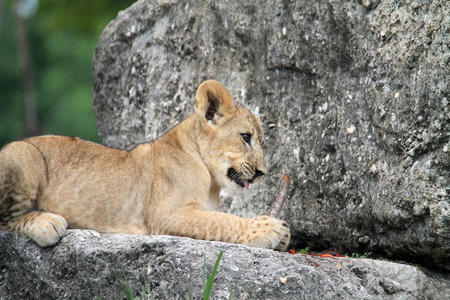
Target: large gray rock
353	96
87	265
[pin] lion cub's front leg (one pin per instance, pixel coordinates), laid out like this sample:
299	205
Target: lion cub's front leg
267	232
261	232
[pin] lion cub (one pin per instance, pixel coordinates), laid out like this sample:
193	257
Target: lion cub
169	186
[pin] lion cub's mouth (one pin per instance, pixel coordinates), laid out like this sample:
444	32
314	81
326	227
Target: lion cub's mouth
238	178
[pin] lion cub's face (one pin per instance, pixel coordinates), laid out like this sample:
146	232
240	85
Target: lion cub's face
234	154
236	148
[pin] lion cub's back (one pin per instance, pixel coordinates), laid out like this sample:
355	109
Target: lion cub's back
89	184
73	150
72	161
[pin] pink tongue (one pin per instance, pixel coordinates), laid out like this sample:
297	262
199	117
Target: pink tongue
246	184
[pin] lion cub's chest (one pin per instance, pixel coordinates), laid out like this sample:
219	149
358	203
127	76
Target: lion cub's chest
213	201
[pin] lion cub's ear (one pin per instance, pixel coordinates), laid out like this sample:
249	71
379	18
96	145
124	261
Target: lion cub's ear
213	101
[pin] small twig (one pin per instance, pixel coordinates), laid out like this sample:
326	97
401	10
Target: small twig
281	198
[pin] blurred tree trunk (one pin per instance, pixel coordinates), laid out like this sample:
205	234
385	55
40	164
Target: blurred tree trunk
31	123
1	16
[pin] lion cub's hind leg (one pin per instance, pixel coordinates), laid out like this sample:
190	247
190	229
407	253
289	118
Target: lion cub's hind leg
21	173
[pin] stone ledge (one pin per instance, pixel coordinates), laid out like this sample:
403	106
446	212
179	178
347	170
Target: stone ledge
83	265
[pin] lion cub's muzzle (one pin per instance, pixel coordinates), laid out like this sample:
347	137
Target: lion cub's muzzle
239	178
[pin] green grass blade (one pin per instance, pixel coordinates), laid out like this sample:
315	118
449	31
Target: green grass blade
231	291
190	291
210	282
127	288
124	284
204	274
149	291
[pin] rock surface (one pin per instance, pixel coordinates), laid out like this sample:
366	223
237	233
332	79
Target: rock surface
86	265
353	96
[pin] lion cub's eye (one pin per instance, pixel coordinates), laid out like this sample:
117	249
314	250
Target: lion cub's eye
247	137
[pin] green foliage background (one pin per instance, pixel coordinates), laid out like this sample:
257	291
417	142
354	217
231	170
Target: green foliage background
63	35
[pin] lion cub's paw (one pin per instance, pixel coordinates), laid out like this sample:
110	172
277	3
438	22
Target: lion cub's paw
266	232
46	229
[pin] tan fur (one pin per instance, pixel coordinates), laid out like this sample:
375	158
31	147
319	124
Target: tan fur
168	186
